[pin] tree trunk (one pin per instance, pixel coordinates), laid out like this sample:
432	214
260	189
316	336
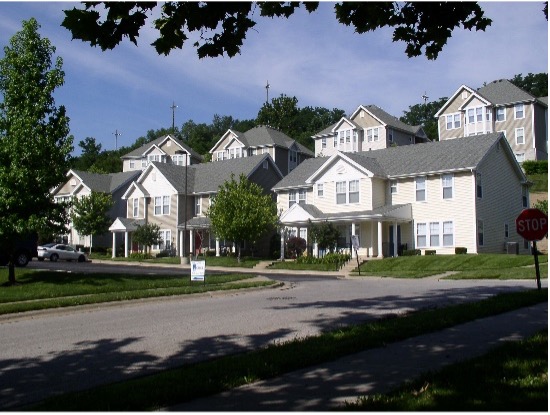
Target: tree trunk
11	272
239	253
91	240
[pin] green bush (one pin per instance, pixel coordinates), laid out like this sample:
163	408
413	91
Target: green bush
336	258
140	256
411	252
535	166
461	250
429	252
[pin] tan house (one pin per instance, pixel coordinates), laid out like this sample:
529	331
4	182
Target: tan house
286	152
177	199
368	128
165	149
81	183
432	196
499	106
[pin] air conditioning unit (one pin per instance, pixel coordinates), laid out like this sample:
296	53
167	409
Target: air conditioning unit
512	248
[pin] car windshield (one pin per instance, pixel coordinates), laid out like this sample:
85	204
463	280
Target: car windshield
48	245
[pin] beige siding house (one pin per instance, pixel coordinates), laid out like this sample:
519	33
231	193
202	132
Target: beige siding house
177	199
165	149
81	183
368	128
285	151
499	106
432	196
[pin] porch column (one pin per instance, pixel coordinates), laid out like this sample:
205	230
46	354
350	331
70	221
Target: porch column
191	246
113	254
353	233
125	244
217	247
370	251
395	253
180	243
315	250
282	244
379	253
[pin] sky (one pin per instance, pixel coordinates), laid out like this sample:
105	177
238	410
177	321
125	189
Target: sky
131	89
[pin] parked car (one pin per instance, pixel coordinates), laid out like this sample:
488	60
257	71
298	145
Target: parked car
53	252
25	250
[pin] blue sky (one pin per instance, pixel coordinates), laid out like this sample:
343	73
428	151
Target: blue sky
312	57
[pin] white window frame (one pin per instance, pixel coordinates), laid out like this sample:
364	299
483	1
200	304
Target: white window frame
421	231
393	187
447	186
447	230
500	111
162	205
324	142
452	121
353	191
471	116
434	234
198	205
291	198
165	240
519	109
373	134
434	229
341	189
302	196
520	157
135	207
520	134
320	190
132	164
420	184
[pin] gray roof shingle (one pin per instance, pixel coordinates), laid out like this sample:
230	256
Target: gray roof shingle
502	91
138	152
106	183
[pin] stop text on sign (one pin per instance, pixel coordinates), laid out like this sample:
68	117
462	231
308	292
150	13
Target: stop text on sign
532	224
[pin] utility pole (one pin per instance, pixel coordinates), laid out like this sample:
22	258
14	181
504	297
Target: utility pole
173	107
425	98
267	92
116	134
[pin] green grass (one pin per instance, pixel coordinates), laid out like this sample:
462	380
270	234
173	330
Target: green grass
206	378
468	266
221	261
512	377
292	265
37	290
540	183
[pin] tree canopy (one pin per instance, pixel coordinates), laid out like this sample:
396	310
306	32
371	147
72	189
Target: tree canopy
90	214
35	145
424	114
425	27
241	212
535	84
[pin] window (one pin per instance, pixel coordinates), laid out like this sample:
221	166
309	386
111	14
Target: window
302	196
479	114
340	193
434	233
291	198
198	205
448	233
447	185
452	121
390	135
323	142
293	156
524	196
501	114
520	136
480	232
420	235
220	155
165	240
506	231
372	134
354	191
143	163
303	233
162	205
132	164
420	189
156	157
393	186
135	207
519	111
335	140
179	159
471	118
320	190
479	186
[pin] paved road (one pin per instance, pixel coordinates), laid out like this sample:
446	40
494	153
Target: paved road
71	349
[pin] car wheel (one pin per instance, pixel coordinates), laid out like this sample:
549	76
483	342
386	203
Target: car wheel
54	257
81	258
21	259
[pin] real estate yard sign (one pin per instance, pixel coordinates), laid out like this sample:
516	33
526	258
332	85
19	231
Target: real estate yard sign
197	270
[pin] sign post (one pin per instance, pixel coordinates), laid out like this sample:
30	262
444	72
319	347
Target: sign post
532	224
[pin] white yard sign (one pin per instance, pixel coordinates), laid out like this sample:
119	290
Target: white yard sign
197	270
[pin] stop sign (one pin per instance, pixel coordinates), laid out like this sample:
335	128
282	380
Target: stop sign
532	224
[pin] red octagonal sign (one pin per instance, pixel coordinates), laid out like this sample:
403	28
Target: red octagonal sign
532	224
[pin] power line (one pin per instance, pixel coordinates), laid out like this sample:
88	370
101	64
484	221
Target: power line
116	134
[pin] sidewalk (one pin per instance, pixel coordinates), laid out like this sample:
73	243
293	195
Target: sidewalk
328	386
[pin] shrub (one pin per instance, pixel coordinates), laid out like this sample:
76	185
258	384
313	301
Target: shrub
461	250
429	252
140	256
210	253
295	246
535	166
336	258
411	252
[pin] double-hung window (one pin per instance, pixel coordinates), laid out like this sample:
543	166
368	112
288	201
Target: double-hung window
393	186
519	111
501	114
420	189
452	121
320	190
324	142
135	207
162	205
198	205
302	196
520	136
448	233
353	186
291	198
165	240
434	234
372	134
447	185
421	235
340	193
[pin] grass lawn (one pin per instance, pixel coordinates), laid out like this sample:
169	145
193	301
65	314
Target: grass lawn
513	377
292	265
540	183
492	266
221	261
210	377
38	290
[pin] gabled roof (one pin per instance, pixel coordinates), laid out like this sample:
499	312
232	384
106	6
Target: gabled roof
208	177
263	136
138	152
408	161
105	183
502	92
345	120
388	119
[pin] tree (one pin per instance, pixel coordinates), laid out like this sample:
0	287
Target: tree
535	84
147	235
91	151
325	234
241	212
424	114
221	27
542	205
90	214
35	145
